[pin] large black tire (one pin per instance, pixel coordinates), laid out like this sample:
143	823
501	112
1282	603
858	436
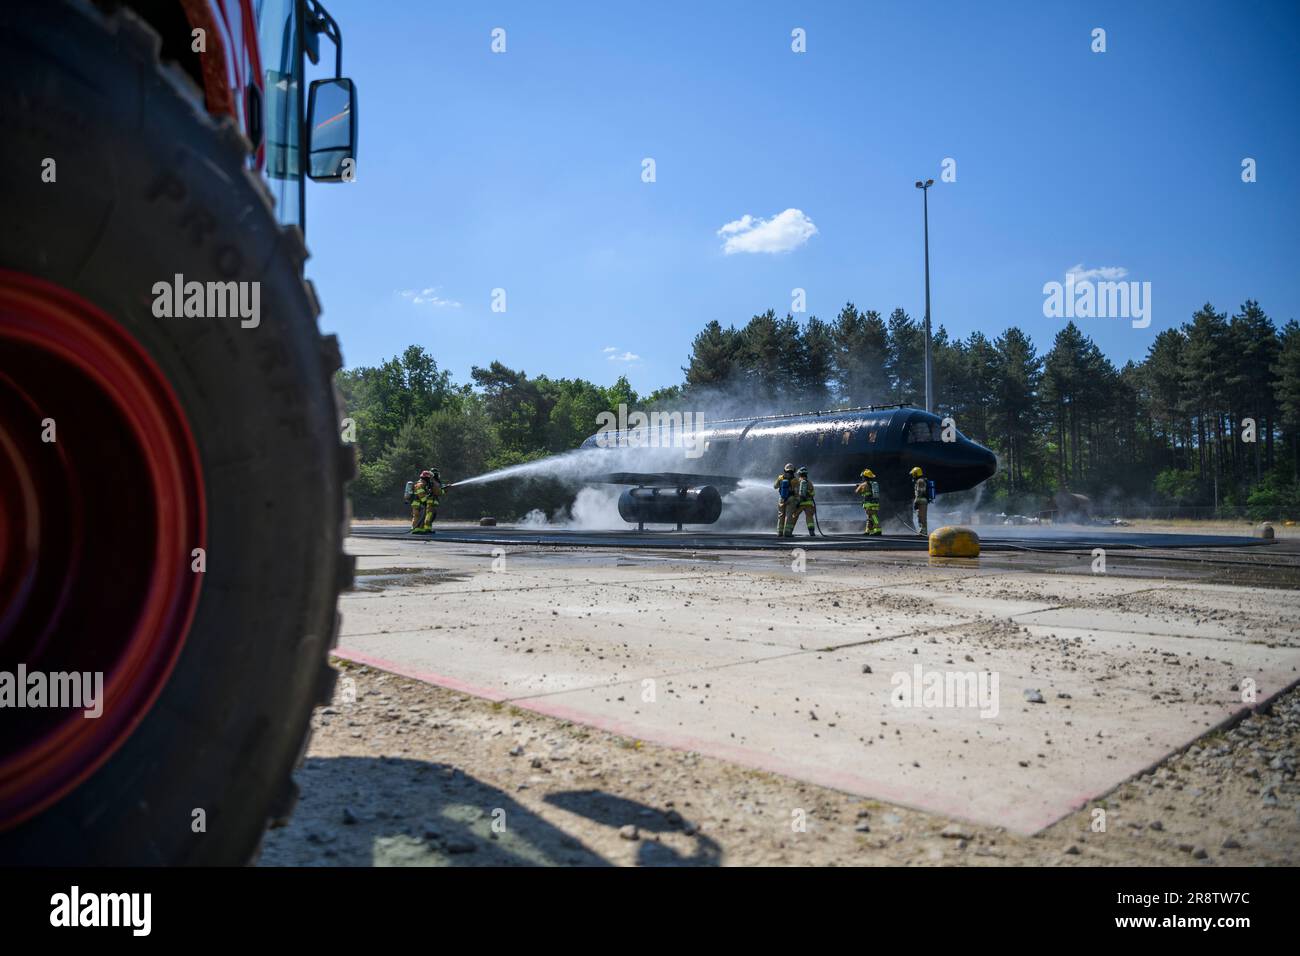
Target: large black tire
232	721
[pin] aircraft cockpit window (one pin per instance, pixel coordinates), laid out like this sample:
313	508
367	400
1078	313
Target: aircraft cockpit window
922	431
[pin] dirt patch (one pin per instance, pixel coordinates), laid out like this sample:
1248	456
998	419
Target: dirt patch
405	773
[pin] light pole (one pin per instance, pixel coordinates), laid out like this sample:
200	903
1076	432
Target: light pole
925	192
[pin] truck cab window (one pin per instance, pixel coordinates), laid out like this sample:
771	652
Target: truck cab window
283	110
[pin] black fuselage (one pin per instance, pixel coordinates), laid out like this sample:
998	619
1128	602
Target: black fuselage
836	446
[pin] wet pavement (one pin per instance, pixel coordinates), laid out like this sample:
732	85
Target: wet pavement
993	538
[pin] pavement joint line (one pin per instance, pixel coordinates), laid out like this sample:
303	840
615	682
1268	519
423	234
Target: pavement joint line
1227	723
422	629
1234	642
850	590
709	668
926	582
530	587
684	577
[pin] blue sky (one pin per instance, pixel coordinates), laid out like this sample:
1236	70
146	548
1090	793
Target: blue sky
523	170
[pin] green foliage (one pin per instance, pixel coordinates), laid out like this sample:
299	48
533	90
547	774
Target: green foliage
381	400
511	419
1178	487
861	349
1286	373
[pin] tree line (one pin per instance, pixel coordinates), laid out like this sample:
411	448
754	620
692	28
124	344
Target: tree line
1209	417
407	414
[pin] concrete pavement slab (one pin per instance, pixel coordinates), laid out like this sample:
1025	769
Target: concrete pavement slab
733	658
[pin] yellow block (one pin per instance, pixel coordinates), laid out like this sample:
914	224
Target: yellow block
954	542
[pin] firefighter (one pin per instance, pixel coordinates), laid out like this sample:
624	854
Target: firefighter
801	494
435	489
784	485
424	501
869	489
920	498
420	502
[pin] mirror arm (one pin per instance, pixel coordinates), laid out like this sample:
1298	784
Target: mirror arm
322	22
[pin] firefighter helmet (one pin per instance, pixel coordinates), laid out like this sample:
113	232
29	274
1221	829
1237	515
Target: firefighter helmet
868	473
802	471
789	466
915	472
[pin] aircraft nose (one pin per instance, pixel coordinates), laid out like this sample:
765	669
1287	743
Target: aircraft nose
988	463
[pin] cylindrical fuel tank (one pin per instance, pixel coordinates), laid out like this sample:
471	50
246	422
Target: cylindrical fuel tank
670	505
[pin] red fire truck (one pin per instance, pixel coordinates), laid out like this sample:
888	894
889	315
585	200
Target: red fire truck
172	475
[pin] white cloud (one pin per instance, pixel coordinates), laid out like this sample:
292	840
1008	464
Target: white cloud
625	357
610	348
783	232
742	224
1109	273
428	297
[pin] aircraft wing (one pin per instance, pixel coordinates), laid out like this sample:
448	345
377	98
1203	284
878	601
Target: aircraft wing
669	479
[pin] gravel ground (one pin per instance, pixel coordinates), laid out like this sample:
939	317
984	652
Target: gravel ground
404	773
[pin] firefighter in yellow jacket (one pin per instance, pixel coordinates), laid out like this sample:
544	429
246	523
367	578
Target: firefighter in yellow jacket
869	490
784	486
801	502
920	498
424	503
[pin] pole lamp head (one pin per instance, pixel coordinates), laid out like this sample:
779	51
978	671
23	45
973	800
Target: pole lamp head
929	183
919	184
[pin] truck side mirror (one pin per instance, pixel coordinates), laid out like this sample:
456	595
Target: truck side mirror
332	108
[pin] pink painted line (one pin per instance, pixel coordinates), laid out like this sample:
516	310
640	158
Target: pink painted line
428	677
929	801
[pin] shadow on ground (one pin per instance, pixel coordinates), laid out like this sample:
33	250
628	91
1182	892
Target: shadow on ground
382	811
616	812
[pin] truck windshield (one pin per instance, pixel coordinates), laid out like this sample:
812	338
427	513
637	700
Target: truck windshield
277	32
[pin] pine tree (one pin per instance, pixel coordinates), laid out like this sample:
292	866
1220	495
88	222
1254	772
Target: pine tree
983	369
1062	371
1204	378
906	364
714	353
861	342
1286	380
819	362
1254	348
763	357
1016	373
1163	368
